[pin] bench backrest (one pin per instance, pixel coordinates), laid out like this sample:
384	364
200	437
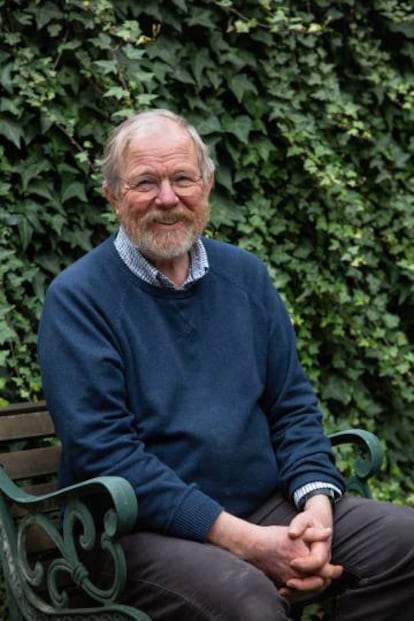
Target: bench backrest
29	452
41	555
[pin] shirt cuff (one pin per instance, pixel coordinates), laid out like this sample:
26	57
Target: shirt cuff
311	487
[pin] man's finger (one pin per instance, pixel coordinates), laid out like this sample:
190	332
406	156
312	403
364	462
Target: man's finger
299	526
310	583
313	534
312	563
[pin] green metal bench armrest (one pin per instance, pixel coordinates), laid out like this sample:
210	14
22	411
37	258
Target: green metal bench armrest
369	459
120	491
75	533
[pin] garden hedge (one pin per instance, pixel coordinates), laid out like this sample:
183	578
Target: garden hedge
309	111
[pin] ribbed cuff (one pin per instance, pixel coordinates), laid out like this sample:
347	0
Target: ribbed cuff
194	517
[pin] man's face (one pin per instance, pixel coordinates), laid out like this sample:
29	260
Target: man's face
163	202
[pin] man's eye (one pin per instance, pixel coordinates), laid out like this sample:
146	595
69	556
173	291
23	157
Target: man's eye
183	180
143	185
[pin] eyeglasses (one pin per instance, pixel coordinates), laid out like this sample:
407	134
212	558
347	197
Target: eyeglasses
183	184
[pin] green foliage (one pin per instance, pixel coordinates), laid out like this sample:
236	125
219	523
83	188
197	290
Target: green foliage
308	108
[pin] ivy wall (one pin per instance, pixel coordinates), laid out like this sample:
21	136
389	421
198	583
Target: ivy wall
309	111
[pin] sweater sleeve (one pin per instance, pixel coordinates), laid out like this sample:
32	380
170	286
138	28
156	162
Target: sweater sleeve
83	379
303	451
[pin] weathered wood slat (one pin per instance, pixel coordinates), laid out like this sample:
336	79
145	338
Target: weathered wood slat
42	488
22	408
31	462
20	426
38	541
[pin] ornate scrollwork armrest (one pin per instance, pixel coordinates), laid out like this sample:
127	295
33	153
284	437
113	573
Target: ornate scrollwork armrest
118	489
47	586
368	461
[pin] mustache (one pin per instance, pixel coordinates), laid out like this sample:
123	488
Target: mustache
170	217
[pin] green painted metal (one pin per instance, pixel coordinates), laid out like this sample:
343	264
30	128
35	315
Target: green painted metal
368	460
76	532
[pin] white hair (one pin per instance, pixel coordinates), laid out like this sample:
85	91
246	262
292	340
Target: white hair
122	135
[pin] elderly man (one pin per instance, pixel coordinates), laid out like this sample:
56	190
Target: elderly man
169	359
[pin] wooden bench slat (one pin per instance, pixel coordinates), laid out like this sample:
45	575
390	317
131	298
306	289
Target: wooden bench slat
38	541
42	488
23	408
38	490
28	425
31	463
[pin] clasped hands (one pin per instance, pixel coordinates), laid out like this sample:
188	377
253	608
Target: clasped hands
297	557
308	568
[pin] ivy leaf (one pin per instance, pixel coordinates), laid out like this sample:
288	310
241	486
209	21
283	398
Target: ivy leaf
208	125
45	13
74	190
200	17
224	177
33	170
182	4
239	85
117	92
241	127
107	66
336	389
12	131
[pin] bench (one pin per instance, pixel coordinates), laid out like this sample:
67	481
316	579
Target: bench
44	552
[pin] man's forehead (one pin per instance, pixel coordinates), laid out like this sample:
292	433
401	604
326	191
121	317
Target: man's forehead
160	139
160	126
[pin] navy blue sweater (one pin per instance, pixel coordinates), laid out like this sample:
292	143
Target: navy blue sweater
195	396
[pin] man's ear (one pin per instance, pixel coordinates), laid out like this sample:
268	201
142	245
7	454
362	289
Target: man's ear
210	182
111	198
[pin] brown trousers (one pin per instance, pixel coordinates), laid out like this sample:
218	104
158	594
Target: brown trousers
179	580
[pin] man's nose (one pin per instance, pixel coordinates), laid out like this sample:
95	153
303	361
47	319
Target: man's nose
166	196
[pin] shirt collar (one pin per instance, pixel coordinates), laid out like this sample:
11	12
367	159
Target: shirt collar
142	268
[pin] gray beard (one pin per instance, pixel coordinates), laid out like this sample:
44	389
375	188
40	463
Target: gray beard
163	246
